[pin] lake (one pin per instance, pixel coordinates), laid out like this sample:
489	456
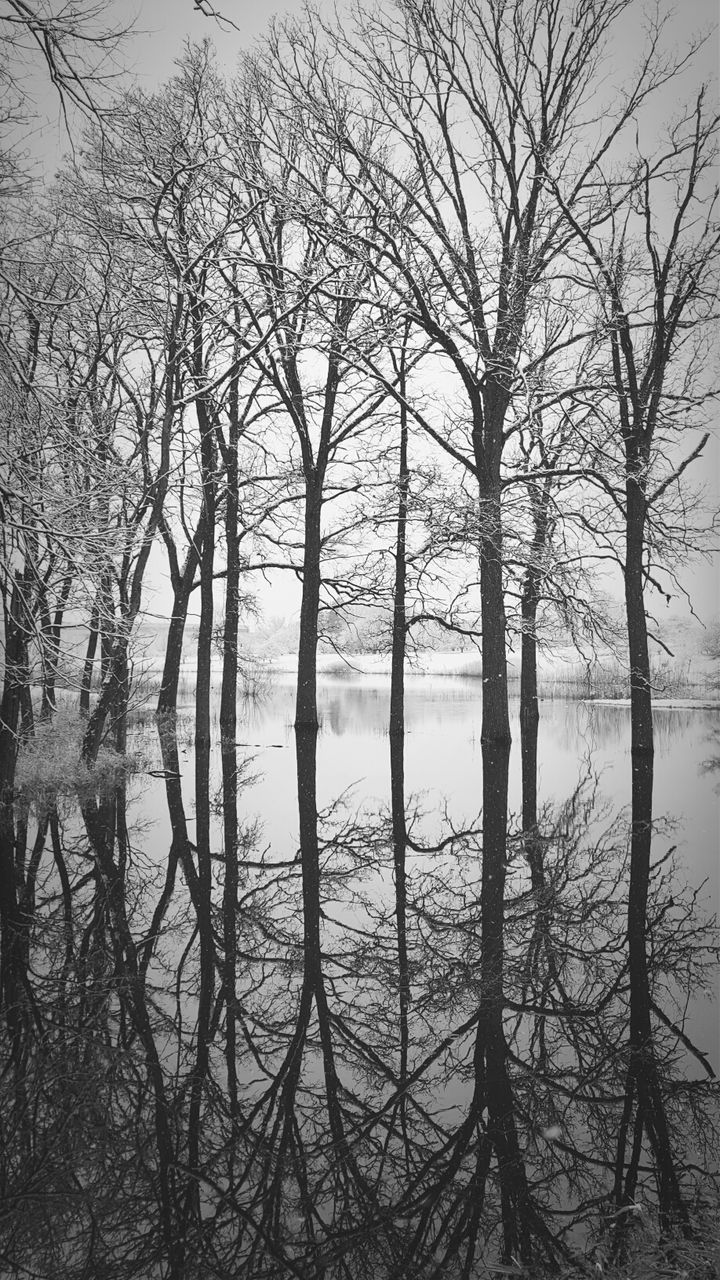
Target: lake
268	1046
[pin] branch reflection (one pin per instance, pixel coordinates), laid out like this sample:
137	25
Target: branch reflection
405	1050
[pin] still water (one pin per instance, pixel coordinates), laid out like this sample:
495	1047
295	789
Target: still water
443	767
443	761
283	1025
583	748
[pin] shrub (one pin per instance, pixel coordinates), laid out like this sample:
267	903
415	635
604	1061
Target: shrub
50	764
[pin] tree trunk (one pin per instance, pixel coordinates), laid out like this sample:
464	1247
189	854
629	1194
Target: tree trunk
202	771
529	709
399	634
306	716
229	909
397	739
228	734
495	714
112	702
11	924
94	631
228	693
182	588
306	760
529	726
205	630
642	742
51	637
643	1078
106	622
170	680
182	847
493	1087
100	822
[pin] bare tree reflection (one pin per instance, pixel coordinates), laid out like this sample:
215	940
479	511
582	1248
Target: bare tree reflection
413	1056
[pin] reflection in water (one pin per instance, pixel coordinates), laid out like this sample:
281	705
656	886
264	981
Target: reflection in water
409	1041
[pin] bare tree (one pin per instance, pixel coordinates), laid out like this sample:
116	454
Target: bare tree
654	274
486	180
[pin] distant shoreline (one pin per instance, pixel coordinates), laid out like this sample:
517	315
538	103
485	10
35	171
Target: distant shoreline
688	682
683	683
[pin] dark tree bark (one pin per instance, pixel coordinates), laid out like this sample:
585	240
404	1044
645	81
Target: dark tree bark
107	625
91	649
643	1086
112	703
16	682
399	632
183	582
491	1066
495	712
203	693
51	631
655	313
306	762
397	729
228	691
100	819
228	735
306	716
529	708
182	847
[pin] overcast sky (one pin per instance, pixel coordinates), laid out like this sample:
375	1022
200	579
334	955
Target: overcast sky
162	27
166	24
159	29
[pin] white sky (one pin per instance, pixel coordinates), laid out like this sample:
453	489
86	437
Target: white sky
167	23
160	29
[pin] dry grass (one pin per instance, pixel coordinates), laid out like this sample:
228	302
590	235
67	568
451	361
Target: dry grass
611	679
50	765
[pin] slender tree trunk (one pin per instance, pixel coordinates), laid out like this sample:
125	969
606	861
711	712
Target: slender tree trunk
529	711
306	734
170	679
205	630
399	833
313	977
228	734
306	716
642	741
643	1082
202	810
207	964
397	738
230	893
529	707
52	649
207	557
93	635
11	925
399	634
521	1221
202	768
181	848
523	1224
488	422
228	693
112	702
306	760
100	820
182	591
106	621
495	714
